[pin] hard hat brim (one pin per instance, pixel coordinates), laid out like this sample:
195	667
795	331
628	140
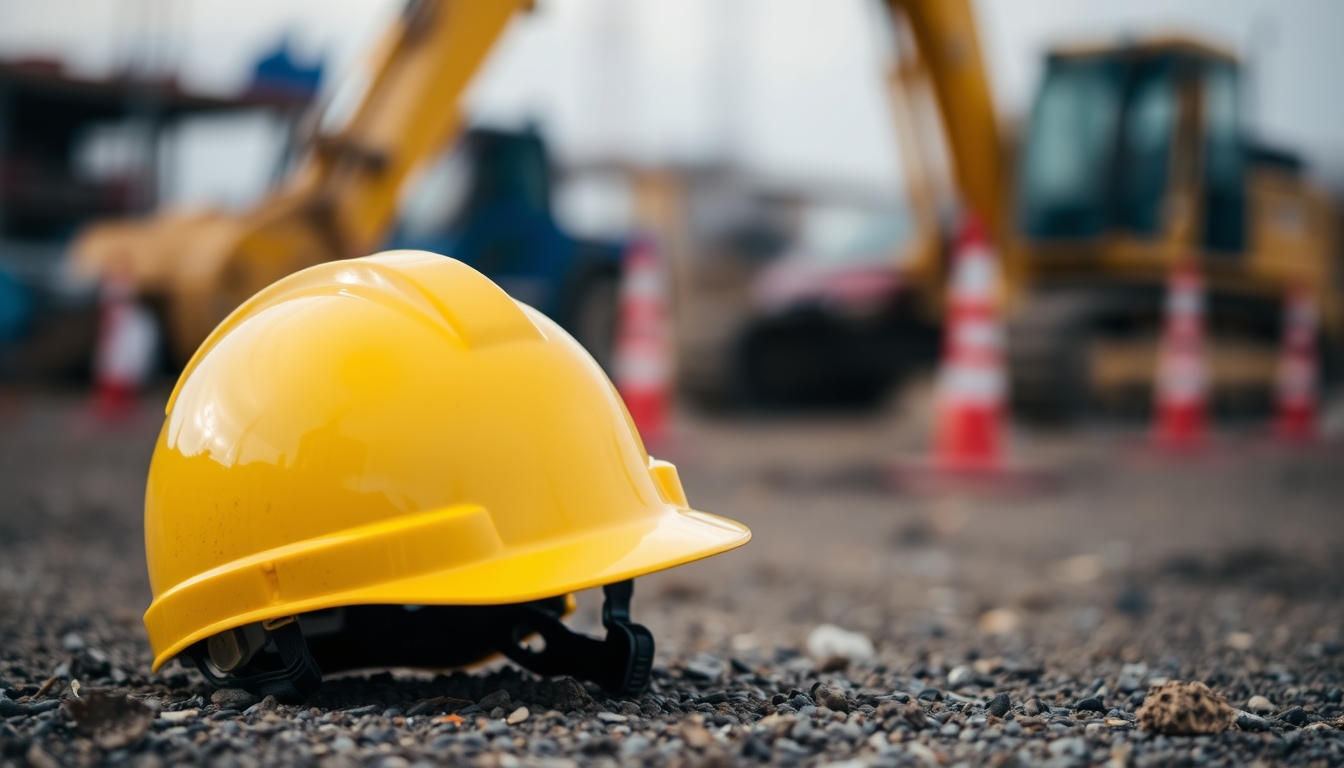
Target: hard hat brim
597	558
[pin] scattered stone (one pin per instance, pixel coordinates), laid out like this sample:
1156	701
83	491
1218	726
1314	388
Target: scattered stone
517	716
999	705
1296	716
696	736
831	699
1035	707
999	621
960	676
1090	704
232	698
1128	684
914	715
365	710
568	694
704	667
178	715
829	644
9	708
499	698
1249	722
446	704
713	697
111	721
1179	708
987	667
756	749
1260	705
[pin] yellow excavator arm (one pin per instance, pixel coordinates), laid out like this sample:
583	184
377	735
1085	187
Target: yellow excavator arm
409	112
948	53
340	201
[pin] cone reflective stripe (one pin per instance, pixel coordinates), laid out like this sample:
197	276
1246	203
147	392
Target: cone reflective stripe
642	367
1298	372
127	338
1181	386
972	385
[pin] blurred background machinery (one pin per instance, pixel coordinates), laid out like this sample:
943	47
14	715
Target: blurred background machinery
1135	156
75	148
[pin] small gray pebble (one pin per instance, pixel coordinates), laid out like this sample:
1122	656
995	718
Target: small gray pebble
1249	722
233	698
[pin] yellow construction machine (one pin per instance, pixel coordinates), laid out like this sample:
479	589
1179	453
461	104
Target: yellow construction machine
1135	158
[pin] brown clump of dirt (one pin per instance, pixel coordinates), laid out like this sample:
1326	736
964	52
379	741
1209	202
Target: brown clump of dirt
1178	708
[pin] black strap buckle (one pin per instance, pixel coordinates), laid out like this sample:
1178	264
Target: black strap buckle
296	680
621	664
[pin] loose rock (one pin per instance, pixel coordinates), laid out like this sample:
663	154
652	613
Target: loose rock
233	698
499	698
959	676
1260	704
569	694
111	721
829	643
999	705
1180	708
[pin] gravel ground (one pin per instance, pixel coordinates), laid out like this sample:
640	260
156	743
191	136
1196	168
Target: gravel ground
1009	632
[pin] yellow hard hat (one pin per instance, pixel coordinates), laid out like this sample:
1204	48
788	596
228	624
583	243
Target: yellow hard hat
387	461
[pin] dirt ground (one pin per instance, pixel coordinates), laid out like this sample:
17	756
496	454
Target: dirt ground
1131	568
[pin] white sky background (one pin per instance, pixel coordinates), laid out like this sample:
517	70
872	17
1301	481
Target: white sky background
788	88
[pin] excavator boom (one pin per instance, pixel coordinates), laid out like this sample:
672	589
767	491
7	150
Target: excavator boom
948	50
340	201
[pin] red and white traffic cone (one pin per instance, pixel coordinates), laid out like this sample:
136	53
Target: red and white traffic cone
1297	397
643	353
1181	384
127	338
970	413
972	385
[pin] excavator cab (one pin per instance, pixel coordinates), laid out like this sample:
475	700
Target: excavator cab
1118	135
1120	139
1136	157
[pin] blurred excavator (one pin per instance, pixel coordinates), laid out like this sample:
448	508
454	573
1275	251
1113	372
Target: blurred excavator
1135	157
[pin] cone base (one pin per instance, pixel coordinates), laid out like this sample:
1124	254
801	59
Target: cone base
1296	426
113	402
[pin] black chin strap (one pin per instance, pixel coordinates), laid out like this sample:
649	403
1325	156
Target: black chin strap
621	664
